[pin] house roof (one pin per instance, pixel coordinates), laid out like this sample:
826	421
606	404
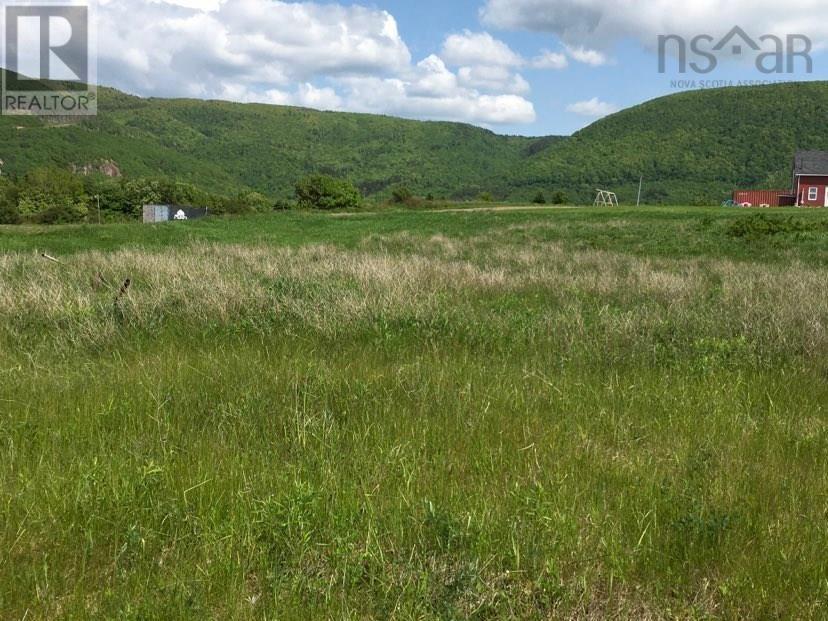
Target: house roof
811	163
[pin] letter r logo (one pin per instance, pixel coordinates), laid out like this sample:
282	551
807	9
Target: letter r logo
48	42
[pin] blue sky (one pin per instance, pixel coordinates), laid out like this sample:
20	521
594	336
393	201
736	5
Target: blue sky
532	67
632	78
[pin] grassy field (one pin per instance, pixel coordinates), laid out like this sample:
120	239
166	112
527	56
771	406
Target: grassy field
555	414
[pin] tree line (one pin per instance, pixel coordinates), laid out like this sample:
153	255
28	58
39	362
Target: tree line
59	196
54	196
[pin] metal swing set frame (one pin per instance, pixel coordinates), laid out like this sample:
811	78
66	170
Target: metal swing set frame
606	199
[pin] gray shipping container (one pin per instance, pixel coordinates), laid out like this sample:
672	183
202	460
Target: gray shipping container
171	213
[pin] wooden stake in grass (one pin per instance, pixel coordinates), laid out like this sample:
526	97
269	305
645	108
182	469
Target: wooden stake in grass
52	259
123	291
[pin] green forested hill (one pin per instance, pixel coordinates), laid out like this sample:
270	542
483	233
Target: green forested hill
225	146
691	148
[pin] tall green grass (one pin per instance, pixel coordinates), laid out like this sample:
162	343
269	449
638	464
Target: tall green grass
525	416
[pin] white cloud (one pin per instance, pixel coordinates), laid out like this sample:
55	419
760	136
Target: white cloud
430	90
485	63
493	79
309	96
597	23
203	5
584	55
481	48
502	109
272	51
594	108
550	60
431	78
163	48
304	95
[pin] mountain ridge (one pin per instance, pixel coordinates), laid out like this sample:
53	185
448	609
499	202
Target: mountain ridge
691	147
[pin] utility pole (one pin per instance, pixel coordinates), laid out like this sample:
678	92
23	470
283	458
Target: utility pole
640	184
98	199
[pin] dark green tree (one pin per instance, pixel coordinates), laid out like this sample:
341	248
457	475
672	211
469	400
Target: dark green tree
323	192
52	195
401	194
9	213
559	198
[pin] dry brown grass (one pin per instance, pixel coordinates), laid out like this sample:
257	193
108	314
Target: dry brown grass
328	289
